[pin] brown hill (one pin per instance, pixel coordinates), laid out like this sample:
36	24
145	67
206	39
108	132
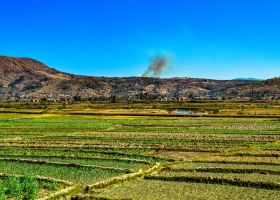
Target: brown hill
24	75
27	78
261	89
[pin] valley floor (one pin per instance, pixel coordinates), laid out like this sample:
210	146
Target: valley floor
143	157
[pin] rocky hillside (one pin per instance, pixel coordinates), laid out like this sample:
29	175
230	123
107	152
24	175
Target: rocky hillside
261	89
26	78
24	75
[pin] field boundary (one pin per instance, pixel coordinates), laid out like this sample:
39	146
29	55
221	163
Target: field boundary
126	177
62	193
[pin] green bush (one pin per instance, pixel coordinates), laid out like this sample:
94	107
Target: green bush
12	187
25	188
30	187
2	192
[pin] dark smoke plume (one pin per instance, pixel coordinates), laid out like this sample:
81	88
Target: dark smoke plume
156	67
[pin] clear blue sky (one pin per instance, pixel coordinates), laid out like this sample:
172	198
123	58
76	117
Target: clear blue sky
220	39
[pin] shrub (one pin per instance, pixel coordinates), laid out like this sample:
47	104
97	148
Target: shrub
30	187
12	187
2	192
19	188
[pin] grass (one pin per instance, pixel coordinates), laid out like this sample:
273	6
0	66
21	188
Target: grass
248	159
72	174
89	162
227	175
161	190
75	148
192	165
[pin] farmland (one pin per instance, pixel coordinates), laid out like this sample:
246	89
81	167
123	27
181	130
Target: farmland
113	152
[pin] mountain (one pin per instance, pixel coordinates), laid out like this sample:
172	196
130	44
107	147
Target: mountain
25	78
261	89
247	79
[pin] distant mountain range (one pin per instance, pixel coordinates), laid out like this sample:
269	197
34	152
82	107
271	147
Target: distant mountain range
247	79
25	79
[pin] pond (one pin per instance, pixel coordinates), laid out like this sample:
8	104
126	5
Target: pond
187	111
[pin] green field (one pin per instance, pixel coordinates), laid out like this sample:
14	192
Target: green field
195	157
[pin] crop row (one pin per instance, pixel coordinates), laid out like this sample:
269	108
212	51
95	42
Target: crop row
143	141
274	178
244	158
100	152
215	180
225	170
194	165
190	147
130	160
74	165
40	178
86	162
66	131
83	175
165	190
274	155
238	162
154	139
186	136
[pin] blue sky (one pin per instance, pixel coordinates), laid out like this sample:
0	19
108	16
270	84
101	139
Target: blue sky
219	39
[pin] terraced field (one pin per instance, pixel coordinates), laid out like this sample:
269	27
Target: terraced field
143	157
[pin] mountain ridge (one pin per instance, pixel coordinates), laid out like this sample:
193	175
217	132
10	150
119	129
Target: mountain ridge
26	78
248	79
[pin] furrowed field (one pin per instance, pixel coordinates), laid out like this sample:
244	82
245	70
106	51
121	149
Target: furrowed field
81	156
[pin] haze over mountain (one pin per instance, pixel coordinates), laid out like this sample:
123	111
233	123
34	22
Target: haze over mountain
27	78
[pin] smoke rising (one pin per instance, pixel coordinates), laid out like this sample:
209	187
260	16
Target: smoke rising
158	64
